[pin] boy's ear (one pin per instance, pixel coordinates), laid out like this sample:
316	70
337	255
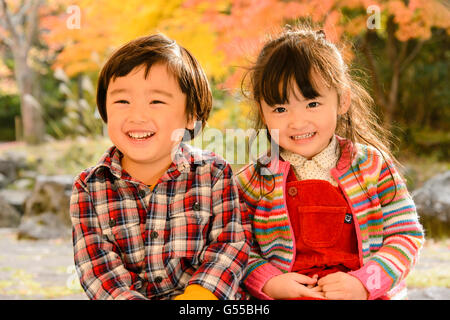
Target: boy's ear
344	102
191	123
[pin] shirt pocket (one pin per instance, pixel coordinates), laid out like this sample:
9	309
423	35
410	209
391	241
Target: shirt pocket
188	234
128	239
321	226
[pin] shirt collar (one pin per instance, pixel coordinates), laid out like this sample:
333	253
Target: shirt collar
182	158
326	159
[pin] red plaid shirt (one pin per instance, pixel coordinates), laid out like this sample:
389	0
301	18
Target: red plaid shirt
134	243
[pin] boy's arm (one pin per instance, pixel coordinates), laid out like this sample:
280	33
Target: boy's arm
403	236
98	263
224	258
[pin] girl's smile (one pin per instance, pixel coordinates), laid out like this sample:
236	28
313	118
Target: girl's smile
305	126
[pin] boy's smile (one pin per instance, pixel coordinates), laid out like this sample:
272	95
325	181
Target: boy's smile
143	113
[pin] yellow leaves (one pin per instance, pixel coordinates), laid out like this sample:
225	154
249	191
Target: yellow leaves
187	28
416	19
232	114
7	84
106	25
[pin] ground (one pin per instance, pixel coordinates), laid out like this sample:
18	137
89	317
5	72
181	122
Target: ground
44	270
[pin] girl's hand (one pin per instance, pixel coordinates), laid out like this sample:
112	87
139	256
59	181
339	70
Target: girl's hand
291	285
342	286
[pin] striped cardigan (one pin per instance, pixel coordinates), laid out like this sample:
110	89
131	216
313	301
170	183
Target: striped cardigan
388	231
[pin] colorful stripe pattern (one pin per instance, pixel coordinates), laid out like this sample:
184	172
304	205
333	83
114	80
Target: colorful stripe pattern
390	235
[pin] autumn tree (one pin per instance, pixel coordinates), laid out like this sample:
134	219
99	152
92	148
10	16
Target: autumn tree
19	23
404	26
104	25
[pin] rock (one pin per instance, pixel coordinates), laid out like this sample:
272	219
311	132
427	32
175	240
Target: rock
431	293
47	209
9	217
3	180
433	199
16	198
22	184
433	202
10	164
43	226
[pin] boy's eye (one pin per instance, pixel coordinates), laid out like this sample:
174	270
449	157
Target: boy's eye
122	101
279	110
313	104
156	102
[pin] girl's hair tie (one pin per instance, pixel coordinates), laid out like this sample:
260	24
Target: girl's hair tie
321	34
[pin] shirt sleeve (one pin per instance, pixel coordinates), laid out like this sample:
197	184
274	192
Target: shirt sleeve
225	256
403	236
196	292
98	263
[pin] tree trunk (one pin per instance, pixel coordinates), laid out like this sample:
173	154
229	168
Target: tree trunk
22	28
30	109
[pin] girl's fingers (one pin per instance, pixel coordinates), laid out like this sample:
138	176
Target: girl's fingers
300	278
317	289
331	287
335	295
305	292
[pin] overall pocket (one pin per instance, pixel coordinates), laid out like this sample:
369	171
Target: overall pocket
321	226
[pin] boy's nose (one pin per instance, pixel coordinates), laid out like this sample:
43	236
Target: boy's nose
139	113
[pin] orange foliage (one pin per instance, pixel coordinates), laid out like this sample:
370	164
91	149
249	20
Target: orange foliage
242	25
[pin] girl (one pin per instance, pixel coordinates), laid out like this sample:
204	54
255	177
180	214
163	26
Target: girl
333	219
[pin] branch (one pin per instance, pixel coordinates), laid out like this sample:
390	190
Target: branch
412	55
8	22
366	49
32	22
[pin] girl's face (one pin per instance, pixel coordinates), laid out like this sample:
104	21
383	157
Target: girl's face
305	126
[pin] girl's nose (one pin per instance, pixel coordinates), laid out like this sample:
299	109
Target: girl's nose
298	121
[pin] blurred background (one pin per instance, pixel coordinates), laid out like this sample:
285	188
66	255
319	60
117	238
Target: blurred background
51	52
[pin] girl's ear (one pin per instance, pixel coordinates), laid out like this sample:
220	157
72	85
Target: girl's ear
344	102
261	114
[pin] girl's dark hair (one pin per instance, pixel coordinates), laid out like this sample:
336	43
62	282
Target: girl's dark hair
149	50
289	59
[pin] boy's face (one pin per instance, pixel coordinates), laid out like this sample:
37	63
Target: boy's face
142	115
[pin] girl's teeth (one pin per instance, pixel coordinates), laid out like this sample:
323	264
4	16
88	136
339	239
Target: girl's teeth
304	136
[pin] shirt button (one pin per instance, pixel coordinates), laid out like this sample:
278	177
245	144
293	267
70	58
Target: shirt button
158	279
112	222
154	235
292	191
138	284
196	206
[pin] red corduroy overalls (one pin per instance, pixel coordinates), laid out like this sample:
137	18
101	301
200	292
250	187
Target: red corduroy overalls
323	227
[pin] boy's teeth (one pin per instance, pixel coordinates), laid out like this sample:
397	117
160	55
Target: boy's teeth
303	136
140	135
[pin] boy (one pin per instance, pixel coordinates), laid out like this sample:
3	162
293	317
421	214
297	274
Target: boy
155	218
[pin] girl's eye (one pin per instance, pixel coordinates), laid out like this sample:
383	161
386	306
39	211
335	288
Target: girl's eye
156	102
313	104
122	102
279	110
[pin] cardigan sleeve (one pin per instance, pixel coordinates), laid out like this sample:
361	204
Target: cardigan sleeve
403	235
259	270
